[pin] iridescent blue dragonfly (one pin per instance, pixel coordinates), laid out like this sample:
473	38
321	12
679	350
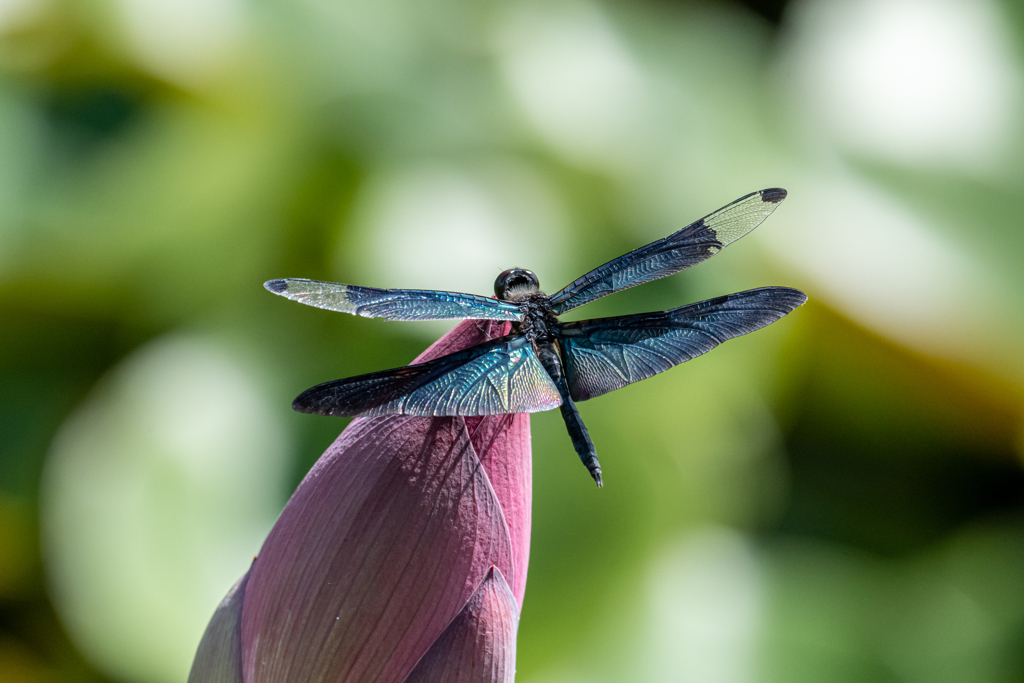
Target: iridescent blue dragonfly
544	363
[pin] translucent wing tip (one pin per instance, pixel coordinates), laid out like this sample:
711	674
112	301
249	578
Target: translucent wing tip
735	220
276	286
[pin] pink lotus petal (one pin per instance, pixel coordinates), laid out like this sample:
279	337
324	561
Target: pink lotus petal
385	541
479	645
219	657
502	442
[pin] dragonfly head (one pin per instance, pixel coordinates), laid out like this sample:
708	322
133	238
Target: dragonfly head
516	283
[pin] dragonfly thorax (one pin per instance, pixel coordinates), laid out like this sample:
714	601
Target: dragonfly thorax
516	284
538	322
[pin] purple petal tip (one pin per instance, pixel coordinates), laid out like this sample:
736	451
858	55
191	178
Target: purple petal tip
478	646
219	657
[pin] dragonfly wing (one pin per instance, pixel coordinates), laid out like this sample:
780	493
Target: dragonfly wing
696	242
609	353
500	376
394	304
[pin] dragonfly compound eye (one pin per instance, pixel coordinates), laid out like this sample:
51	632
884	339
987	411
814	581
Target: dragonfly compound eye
515	283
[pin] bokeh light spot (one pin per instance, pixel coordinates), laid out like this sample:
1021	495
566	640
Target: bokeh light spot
914	81
185	41
157	494
442	226
576	81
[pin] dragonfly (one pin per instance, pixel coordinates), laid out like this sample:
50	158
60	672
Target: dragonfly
545	363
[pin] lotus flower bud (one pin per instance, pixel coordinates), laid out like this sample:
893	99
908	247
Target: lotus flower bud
401	557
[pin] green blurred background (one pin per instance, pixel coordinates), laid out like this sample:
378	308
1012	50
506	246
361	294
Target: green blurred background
837	498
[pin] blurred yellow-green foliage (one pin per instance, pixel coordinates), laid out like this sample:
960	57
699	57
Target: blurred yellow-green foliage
836	498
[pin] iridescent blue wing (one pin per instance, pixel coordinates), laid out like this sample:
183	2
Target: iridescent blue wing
394	304
609	353
696	242
503	375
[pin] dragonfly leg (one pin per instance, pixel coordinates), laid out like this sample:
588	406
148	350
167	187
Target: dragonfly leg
573	421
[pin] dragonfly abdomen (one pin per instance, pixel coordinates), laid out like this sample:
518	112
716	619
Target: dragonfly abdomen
578	433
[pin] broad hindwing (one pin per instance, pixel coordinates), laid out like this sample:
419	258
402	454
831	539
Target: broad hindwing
394	304
696	242
500	376
609	353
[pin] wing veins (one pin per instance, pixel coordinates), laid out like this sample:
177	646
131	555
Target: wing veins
608	353
463	383
684	248
394	304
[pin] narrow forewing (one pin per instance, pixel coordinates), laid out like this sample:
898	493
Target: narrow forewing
687	247
394	304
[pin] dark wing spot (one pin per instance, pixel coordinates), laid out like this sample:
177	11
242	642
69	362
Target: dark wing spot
773	195
276	286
